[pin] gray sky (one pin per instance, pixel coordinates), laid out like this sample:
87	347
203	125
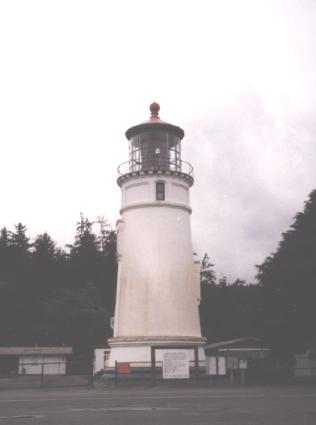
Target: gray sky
238	76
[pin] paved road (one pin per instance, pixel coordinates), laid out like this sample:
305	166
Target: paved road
161	406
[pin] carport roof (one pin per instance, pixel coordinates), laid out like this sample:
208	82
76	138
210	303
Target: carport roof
14	351
249	342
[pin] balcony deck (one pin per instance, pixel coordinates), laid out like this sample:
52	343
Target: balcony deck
134	168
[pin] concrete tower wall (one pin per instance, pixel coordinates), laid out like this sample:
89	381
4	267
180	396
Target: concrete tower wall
156	262
142	189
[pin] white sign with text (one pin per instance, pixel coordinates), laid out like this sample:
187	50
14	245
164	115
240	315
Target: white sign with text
175	365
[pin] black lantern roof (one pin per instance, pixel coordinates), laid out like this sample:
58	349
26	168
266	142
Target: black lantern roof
154	124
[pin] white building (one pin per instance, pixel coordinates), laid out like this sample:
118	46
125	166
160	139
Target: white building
101	359
158	287
34	360
305	365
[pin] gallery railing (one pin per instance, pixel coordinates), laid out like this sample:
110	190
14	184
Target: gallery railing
180	166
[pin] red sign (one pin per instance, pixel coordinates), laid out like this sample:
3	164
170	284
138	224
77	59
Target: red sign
123	367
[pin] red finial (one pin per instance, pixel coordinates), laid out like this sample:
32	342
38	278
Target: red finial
154	109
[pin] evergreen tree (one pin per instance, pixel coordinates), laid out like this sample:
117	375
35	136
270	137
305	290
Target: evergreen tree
288	278
19	240
4	254
44	247
208	276
223	281
227	310
104	233
19	255
4	239
84	252
44	271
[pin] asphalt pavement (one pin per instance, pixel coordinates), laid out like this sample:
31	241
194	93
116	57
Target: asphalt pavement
287	405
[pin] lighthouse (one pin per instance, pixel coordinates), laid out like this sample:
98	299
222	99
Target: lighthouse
158	285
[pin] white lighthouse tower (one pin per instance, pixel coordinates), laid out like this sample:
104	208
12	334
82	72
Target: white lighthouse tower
158	286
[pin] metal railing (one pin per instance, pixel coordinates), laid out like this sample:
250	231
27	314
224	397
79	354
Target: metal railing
147	371
180	166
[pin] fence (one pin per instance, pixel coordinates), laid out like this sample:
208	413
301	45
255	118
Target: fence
146	372
47	374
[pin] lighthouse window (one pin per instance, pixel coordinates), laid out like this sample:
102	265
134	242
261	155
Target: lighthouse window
160	191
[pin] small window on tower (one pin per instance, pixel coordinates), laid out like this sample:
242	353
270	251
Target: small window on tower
160	191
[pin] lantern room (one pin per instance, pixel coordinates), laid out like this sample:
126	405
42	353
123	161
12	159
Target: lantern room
154	145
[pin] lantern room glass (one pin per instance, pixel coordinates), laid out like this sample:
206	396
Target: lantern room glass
154	151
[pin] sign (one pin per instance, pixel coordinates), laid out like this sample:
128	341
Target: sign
175	365
216	365
232	363
242	364
123	367
212	365
221	365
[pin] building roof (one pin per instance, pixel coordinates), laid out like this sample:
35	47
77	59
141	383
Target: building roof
8	351
247	343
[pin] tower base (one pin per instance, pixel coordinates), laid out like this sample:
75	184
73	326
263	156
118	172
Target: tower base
137	350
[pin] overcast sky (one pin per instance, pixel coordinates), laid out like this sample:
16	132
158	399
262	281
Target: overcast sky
238	76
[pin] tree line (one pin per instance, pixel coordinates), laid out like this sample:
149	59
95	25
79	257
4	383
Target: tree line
280	307
50	296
